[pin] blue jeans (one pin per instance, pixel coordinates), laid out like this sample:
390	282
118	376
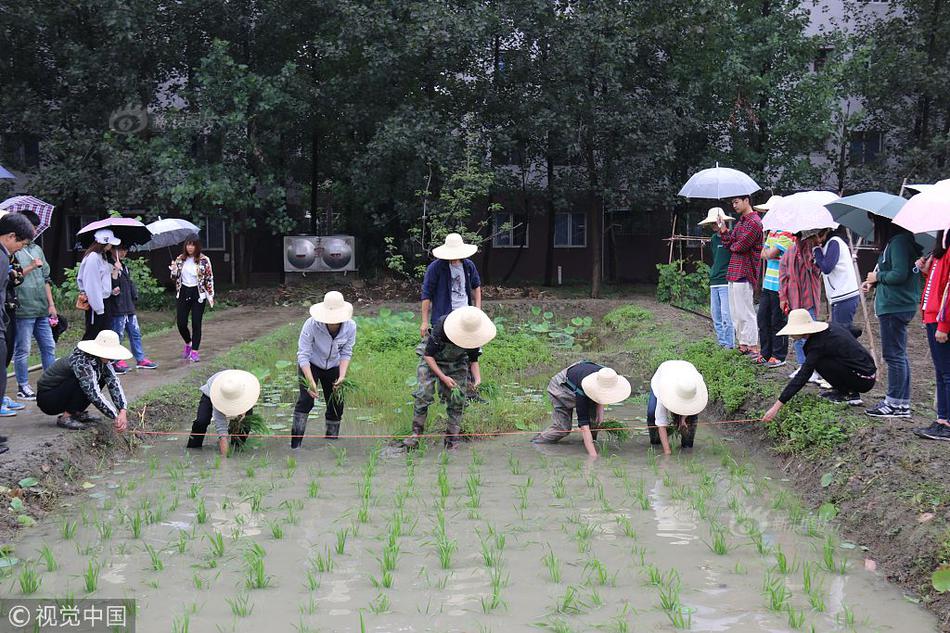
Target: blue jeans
843	312
940	352
123	323
800	343
26	329
722	320
894	349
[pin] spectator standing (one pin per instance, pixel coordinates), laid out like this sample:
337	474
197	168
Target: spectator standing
95	283
35	309
833	258
450	282
771	317
718	285
124	319
933	308
800	289
744	242
194	284
895	303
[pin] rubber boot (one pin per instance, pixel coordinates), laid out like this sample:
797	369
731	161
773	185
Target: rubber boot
299	428
333	430
418	428
451	435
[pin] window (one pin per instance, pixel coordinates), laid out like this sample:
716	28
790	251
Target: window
866	147
75	223
214	234
821	58
515	235
570	230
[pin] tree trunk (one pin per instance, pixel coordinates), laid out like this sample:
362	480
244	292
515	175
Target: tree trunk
314	176
594	235
549	206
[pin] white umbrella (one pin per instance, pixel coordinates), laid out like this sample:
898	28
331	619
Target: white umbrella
718	183
923	188
168	232
803	211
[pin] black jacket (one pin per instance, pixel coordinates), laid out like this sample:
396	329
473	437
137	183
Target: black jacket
836	344
128	294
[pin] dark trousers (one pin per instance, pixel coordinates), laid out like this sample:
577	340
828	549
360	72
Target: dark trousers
843	311
10	335
326	378
940	353
686	440
771	319
3	352
842	379
102	321
203	419
66	397
188	304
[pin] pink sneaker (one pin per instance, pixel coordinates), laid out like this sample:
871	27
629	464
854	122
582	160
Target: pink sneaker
146	363
186	353
194	356
121	367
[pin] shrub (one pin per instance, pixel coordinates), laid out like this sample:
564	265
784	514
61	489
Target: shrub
626	318
151	293
729	377
687	290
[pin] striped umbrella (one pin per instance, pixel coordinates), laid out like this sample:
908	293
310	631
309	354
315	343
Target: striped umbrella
18	204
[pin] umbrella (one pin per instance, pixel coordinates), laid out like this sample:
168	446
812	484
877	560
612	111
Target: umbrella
927	211
922	188
18	204
854	212
718	183
803	211
168	232
126	229
6	174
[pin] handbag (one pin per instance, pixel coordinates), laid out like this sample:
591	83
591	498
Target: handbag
82	302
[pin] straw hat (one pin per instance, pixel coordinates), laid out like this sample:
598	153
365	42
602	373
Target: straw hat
106	345
680	387
106	236
454	248
768	204
469	328
715	214
235	392
606	386
333	309
800	323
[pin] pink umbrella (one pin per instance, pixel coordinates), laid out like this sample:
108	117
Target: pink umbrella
129	230
927	211
803	211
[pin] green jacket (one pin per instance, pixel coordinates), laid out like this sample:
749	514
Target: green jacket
720	261
898	286
31	294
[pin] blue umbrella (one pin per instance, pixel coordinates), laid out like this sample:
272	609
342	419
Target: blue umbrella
855	213
5	174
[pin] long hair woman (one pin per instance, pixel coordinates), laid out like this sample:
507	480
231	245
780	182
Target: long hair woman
194	286
95	282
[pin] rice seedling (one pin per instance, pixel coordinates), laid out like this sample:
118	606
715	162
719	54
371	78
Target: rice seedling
68	529
250	472
555	625
597	572
29	579
362	515
256	500
181	623
626	526
719	546
669	591
254	575
758	539
90	576
474	496
323	563
446	549
583	536
291	467
640	554
241	606
845	617
796	617
493	601
182	543
776	593
135	524
339	453
477	459
570	603
443	481
153	465
640	495
292	517
553	565
201	513
313	489
155	558
652	461
311	582
619	622
817	601
681	617
380	604
48	558
200	582
782	564
276	529
828	558
490	556
390	556
514	464
104	528
341	536
559	490
194	490
385	580
654	575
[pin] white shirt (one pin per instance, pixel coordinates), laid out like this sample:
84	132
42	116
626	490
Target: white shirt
189	273
662	414
459	295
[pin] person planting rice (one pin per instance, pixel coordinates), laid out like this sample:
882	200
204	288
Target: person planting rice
74	382
677	395
835	353
446	357
324	350
231	393
586	387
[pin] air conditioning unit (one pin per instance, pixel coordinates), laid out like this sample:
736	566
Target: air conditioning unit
319	253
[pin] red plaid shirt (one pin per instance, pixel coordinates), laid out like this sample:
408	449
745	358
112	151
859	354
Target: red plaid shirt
744	241
799	280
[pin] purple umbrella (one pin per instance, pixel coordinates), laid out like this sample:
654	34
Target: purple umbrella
126	229
18	204
6	174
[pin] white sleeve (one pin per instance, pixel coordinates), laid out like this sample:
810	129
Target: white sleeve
661	415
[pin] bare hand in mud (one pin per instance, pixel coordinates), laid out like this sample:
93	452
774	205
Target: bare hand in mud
772	412
121	422
449	382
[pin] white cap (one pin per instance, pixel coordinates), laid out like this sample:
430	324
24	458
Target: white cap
106	236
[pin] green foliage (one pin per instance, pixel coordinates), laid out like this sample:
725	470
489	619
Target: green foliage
626	318
730	378
810	425
681	288
151	293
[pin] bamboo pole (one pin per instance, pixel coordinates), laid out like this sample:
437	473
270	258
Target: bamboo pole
864	306
672	233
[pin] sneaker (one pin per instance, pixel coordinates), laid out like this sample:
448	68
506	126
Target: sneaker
3	439
25	393
121	367
3	448
757	359
794	373
833	395
816	379
195	357
6	412
941	432
67	422
146	363
186	352
13	405
86	418
773	362
884	410
923	432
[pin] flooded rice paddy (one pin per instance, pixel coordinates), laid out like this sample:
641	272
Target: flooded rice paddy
500	535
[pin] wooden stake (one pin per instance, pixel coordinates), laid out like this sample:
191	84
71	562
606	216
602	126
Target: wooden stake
864	306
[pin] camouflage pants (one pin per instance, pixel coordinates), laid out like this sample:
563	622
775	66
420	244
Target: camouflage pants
425	393
563	402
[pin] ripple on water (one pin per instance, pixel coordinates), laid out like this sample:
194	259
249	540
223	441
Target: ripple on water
672	520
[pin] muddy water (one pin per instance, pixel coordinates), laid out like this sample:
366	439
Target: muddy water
642	513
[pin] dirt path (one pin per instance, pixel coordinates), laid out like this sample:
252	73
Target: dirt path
34	435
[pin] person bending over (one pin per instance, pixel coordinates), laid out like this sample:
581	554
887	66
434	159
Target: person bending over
586	387
74	382
231	393
445	359
833	352
677	395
